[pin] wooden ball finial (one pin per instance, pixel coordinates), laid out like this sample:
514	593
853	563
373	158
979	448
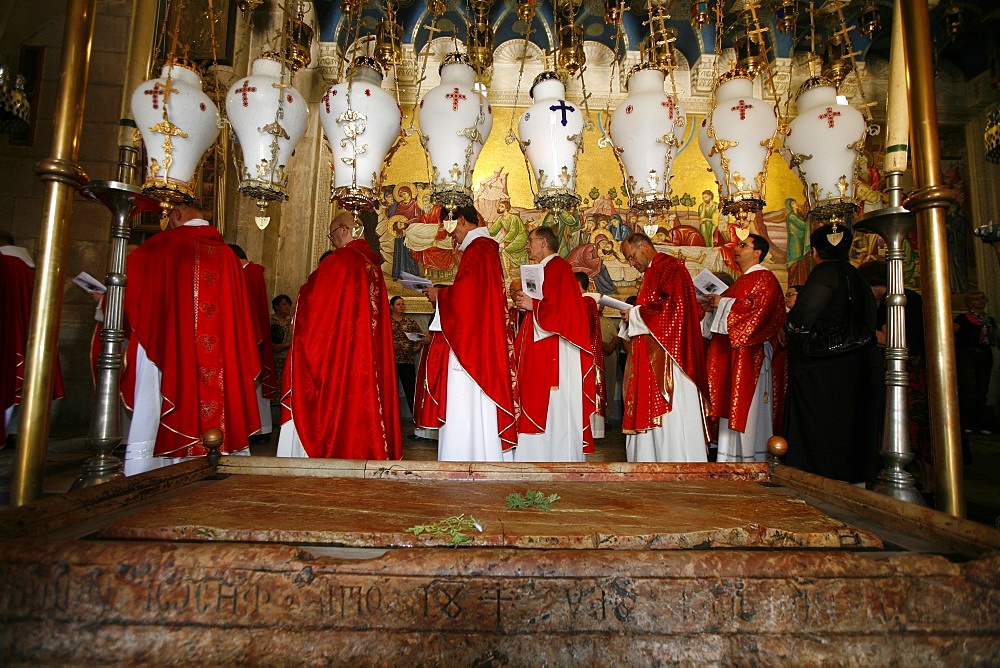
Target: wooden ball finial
212	438
777	446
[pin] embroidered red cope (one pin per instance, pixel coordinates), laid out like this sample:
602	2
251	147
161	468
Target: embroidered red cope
340	375
735	360
253	273
668	306
563	312
184	305
473	312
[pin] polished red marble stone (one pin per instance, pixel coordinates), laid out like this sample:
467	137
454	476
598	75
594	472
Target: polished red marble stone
376	513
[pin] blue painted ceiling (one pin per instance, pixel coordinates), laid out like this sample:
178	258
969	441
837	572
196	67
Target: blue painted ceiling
970	50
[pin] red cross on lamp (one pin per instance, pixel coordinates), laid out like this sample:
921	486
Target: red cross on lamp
178	124
645	132
822	148
455	121
736	137
268	118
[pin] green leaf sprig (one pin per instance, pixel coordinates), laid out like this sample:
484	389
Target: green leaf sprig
531	499
457	528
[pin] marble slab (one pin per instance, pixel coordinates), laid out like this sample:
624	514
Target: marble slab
355	512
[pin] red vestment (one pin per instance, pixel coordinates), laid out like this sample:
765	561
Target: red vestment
17	283
561	311
340	375
185	304
670	310
735	360
473	314
597	348
261	309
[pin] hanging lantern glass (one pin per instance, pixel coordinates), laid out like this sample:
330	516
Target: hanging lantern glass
570	55
389	44
646	131
178	123
268	117
822	147
362	124
786	15
870	20
455	121
700	15
749	55
550	134
736	138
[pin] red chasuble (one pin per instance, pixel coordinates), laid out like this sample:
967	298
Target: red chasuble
257	292
17	282
186	305
340	375
562	311
734	361
597	348
668	306
474	325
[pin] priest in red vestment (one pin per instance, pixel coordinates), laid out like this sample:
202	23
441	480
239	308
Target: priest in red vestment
192	362
665	385
339	397
744	335
555	362
469	392
260	307
17	283
597	419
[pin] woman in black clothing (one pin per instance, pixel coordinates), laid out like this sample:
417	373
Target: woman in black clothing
831	415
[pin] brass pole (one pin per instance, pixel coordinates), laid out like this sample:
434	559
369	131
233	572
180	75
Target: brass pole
61	175
124	199
139	54
930	201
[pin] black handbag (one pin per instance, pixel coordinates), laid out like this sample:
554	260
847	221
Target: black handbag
839	339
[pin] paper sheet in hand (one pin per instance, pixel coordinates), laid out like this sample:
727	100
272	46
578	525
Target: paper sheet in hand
707	283
413	282
89	283
532	277
611	302
415	336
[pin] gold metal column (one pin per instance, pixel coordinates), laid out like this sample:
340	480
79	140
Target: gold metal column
930	200
61	175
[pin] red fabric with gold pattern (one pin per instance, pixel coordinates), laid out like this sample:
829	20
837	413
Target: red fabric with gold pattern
341	370
562	311
473	313
597	348
185	304
734	361
257	291
668	306
17	283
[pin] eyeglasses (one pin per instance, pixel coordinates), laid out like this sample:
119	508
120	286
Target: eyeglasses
743	244
791	293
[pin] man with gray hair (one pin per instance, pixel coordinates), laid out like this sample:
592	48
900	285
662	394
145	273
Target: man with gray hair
339	396
665	385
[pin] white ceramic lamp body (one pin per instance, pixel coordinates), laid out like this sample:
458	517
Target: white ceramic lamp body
822	146
551	133
269	120
455	121
178	123
646	130
362	122
744	128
